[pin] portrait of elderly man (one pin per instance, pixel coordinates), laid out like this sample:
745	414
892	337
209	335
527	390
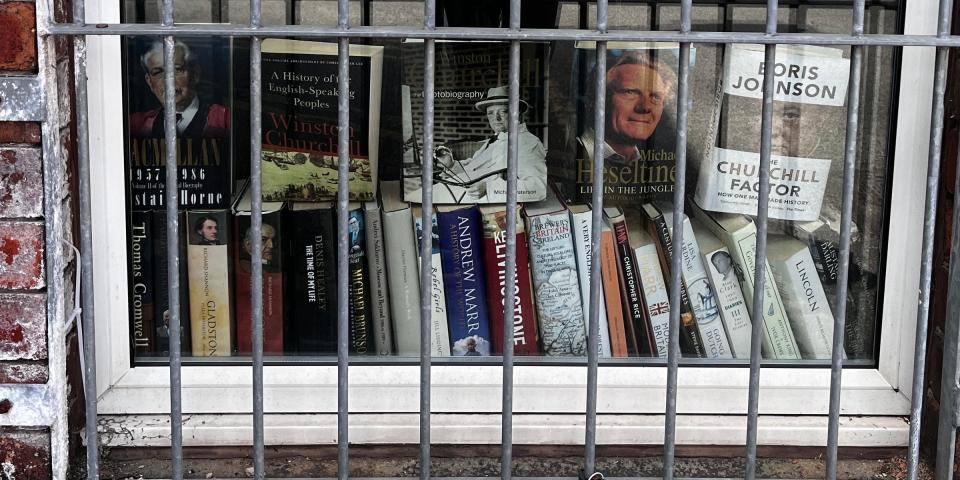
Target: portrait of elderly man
482	174
639	86
195	117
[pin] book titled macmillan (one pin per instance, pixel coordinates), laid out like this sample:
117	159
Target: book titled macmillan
471	122
300	120
810	88
464	280
204	118
208	274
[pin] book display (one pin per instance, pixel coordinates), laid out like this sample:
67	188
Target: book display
469	316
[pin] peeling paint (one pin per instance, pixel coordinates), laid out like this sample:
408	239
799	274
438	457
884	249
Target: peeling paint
21	183
23	326
21	255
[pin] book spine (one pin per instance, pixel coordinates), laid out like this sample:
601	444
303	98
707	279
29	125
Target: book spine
620	343
272	285
634	307
733	307
524	320
464	281
806	303
142	284
556	285
778	340
690	335
359	308
703	300
582	224
379	293
655	294
439	331
404	284
311	282
208	272
162	293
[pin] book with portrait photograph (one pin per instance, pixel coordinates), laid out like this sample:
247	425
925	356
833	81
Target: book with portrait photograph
300	158
204	122
471	119
807	133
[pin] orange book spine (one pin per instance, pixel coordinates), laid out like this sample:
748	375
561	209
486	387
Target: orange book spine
611	292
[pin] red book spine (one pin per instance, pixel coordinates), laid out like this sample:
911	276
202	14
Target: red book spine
272	288
524	322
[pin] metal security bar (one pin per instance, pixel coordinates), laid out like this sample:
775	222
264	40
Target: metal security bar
344	32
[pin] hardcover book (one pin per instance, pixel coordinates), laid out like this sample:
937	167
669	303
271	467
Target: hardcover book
654	289
208	272
300	142
377	268
310	268
142	284
204	118
359	312
162	281
810	88
464	280
271	236
621	344
403	266
439	330
581	221
556	283
523	322
471	122
634	305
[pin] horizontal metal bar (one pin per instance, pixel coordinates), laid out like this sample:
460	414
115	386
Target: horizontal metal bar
18	99
311	31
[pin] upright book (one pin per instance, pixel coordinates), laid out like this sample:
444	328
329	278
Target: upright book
208	272
377	269
403	266
162	279
621	344
464	280
439	330
142	283
204	114
637	318
359	312
300	158
655	293
471	119
581	221
310	278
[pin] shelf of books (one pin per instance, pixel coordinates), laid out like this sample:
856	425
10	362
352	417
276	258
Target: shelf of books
556	144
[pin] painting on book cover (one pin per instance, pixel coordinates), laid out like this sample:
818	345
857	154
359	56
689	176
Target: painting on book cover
203	119
640	137
471	122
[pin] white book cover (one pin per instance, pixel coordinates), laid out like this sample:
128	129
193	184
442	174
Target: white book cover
655	292
803	295
703	301
402	269
377	267
726	286
440	344
581	218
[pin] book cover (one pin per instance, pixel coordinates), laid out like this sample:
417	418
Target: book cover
359	312
621	344
634	306
300	142
271	237
377	268
639	144
581	221
204	118
739	233
439	329
471	122
208	272
654	289
807	133
524	319
310	278
703	300
142	283
464	280
807	307
162	281
556	284
724	279
403	266
691	342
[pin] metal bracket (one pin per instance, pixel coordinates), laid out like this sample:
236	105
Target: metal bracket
21	99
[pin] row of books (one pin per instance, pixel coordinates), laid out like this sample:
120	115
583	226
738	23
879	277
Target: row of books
467	289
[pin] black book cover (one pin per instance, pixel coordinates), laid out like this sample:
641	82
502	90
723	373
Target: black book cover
162	293
311	279
142	284
361	318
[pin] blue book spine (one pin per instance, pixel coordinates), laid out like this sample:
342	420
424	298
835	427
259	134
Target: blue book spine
464	281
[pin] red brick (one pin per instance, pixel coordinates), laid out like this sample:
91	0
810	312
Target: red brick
21	255
20	132
23	326
18	35
25	453
24	372
21	183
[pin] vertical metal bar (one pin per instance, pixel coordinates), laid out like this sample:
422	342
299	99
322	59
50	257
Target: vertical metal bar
343	269
929	223
86	244
426	247
593	337
679	194
753	397
256	254
846	219
947	422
